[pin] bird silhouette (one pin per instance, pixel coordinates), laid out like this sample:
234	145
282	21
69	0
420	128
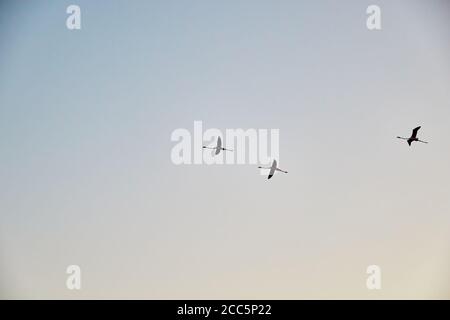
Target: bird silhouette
413	137
273	168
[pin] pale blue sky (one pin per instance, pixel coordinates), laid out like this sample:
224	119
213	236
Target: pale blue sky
85	170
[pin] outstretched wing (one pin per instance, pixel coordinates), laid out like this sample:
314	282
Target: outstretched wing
219	143
272	169
414	133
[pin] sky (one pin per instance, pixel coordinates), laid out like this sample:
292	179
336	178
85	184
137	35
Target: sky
86	176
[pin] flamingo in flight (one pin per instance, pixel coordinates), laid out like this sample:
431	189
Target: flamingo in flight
272	168
413	137
218	147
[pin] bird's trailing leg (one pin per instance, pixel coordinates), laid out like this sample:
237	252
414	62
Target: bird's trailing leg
422	141
281	170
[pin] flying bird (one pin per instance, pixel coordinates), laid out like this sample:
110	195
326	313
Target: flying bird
218	147
413	137
273	168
